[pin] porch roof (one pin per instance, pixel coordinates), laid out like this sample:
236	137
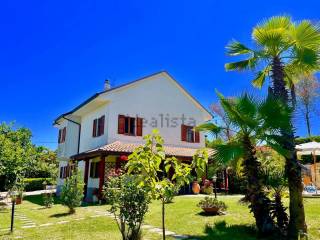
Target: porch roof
119	147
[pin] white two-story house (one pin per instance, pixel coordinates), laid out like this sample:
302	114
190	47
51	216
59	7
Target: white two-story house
100	133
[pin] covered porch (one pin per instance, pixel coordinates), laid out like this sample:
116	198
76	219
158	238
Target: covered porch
99	164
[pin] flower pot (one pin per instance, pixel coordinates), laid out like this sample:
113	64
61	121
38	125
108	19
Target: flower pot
195	187
18	200
211	210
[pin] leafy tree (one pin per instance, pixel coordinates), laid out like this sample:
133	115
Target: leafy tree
158	173
255	121
284	50
72	191
129	203
16	151
307	91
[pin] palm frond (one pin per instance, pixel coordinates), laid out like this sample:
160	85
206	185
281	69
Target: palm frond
305	35
235	48
261	77
224	153
209	127
246	64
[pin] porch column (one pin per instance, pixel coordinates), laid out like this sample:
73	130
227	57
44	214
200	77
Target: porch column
102	165
226	179
86	173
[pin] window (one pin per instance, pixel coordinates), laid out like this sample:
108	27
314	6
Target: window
66	171
130	125
189	135
94	169
98	127
62	135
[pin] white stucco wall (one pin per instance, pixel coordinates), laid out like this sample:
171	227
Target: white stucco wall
150	99
70	146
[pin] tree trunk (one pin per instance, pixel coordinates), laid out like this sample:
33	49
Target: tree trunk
308	123
259	203
293	170
163	221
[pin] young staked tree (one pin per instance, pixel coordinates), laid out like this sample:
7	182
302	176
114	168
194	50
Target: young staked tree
307	91
255	121
156	172
284	49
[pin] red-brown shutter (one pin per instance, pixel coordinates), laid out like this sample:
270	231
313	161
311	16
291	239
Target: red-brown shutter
101	125
59	138
196	136
94	128
121	124
64	132
183	132
139	126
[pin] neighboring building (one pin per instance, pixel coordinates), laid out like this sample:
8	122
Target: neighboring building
100	133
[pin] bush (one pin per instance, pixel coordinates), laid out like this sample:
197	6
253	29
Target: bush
210	202
207	187
72	191
34	184
48	200
129	203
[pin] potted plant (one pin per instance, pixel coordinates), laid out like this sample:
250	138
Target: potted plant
195	187
19	196
212	206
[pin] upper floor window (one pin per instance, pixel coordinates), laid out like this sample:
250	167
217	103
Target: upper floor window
98	127
130	125
62	135
189	135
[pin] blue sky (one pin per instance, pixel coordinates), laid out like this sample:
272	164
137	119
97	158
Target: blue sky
55	54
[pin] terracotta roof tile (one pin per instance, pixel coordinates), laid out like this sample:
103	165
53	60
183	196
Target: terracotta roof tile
123	147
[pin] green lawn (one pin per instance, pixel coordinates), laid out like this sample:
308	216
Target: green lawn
182	217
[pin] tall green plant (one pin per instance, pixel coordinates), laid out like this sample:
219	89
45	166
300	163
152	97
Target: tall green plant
254	121
284	50
158	173
72	191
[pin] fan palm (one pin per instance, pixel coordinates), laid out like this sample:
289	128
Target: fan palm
284	49
255	121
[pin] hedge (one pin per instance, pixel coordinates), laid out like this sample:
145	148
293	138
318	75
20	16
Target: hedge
34	184
307	139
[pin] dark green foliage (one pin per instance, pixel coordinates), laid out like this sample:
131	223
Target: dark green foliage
129	203
34	184
48	199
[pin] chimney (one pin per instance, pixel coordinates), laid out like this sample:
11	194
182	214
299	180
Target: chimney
107	85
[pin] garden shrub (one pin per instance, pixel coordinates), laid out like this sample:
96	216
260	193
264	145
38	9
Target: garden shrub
207	187
129	203
72	191
48	199
34	184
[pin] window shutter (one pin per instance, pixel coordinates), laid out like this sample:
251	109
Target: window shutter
59	138
64	132
94	128
101	126
139	126
183	132
61	172
196	136
121	124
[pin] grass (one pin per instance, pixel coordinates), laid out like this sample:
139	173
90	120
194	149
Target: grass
182	217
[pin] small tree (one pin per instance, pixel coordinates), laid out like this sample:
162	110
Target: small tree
156	172
129	203
307	91
72	191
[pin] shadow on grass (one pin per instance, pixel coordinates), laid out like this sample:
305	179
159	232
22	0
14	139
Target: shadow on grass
59	215
222	231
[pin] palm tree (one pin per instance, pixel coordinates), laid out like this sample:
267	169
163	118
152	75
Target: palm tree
254	121
284	49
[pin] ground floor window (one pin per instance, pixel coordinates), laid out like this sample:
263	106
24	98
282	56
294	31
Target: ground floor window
94	169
